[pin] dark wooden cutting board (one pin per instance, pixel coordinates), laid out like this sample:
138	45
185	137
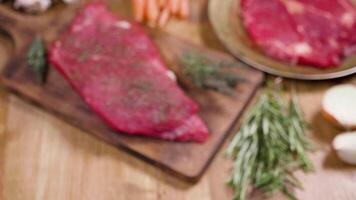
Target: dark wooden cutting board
186	160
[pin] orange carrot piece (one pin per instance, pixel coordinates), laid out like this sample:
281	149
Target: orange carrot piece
152	12
164	17
139	9
184	9
174	6
162	3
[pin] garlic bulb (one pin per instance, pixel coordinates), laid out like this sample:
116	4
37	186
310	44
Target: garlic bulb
345	147
70	1
37	6
339	105
32	6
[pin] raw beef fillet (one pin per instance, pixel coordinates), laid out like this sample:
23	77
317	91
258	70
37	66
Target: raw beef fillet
119	73
311	32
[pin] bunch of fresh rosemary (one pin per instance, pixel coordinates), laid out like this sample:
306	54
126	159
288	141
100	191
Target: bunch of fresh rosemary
270	144
208	74
37	59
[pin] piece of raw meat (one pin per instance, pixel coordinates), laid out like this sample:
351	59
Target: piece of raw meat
192	129
311	32
119	73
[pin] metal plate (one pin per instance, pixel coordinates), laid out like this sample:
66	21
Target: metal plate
227	23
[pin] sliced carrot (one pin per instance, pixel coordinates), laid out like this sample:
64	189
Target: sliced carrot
184	9
164	17
152	12
139	9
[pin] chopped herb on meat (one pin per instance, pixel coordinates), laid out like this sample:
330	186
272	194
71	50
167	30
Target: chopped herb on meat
36	59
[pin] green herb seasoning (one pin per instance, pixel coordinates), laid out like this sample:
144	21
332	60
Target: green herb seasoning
207	74
37	59
270	144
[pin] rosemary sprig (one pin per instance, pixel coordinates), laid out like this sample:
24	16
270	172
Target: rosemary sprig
207	74
270	144
36	59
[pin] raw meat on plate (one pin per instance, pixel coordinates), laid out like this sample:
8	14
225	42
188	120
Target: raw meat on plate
311	32
119	73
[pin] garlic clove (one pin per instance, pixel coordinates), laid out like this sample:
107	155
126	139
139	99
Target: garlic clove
345	147
339	106
172	75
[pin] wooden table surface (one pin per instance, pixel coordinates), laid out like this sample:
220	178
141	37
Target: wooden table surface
43	158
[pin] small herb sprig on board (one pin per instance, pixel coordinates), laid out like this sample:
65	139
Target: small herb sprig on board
37	59
269	146
208	74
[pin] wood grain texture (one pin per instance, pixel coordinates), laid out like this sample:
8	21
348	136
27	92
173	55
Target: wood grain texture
42	157
186	160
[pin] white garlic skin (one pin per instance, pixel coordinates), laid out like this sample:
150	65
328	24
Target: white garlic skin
340	102
33	6
345	147
171	75
70	1
37	6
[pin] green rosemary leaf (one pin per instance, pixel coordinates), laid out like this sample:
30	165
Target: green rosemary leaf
208	74
36	59
269	146
288	193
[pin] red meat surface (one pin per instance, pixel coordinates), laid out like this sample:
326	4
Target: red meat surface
311	32
118	71
192	129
